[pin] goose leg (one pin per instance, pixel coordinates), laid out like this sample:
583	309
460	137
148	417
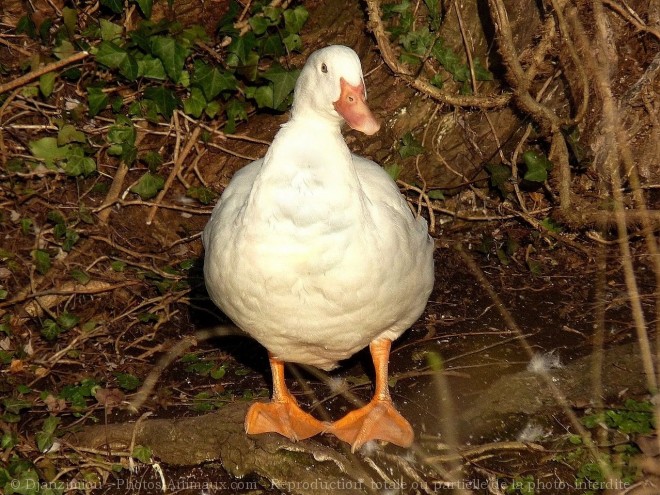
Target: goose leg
282	414
378	420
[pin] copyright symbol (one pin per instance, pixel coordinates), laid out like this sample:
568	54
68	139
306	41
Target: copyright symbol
15	483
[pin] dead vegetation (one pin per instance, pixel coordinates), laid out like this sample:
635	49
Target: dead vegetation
549	167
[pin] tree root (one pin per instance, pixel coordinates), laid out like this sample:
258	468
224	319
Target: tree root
305	468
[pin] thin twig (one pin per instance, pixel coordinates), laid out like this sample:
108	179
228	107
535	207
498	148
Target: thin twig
12	46
177	165
634	20
35	74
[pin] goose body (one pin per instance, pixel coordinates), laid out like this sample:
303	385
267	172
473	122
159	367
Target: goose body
312	250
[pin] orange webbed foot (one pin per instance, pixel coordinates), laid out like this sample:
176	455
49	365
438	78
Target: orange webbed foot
284	417
378	420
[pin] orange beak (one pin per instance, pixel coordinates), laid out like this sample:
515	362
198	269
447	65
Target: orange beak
352	107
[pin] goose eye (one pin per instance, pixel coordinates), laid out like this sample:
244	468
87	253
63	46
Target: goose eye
324	68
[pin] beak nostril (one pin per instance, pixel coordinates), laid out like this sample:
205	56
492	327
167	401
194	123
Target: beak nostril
351	99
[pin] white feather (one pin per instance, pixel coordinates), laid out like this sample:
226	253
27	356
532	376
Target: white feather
312	250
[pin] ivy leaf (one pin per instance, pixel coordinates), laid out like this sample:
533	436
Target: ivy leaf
45	437
26	26
145	7
272	45
67	320
211	80
410	147
241	47
117	6
118	266
450	61
165	100
294	19
250	70
226	22
64	50
110	31
218	373
389	9
499	177
480	72
80	276
263	95
41	260
537	166
48	150
212	109
194	105
292	42
97	100
69	134
202	194
50	330
148	185
171	53
259	24
122	131
115	57
151	67
47	83
77	166
417	42
434	12
194	33
551	225
437	81
152	159
236	110
394	170
283	83
127	381
141	453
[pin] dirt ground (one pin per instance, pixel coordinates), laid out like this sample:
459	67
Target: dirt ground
520	310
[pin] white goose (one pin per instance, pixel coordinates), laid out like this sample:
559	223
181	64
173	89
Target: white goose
314	252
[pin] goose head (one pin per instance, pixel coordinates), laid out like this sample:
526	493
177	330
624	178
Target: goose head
331	89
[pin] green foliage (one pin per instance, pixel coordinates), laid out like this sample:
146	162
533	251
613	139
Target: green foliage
118	266
80	276
524	485
423	43
148	185
202	194
500	176
67	320
537	165
394	170
142	453
41	260
175	72
97	100
203	367
282	83
47	83
46	436
634	417
77	394
20	477
50	330
121	137
163	52
409	146
127	382
64	151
